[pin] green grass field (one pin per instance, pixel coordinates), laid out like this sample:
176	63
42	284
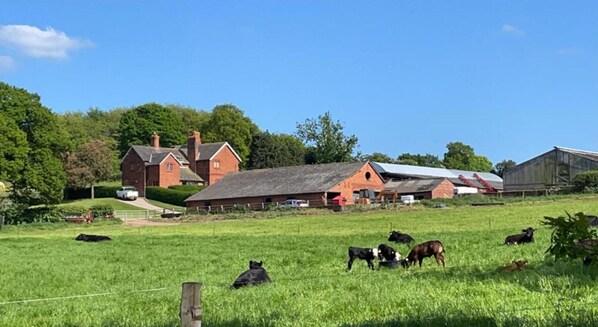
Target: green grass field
306	258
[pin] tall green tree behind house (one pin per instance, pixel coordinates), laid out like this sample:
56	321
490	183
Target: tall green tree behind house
138	124
377	157
33	145
462	156
500	168
193	119
229	123
325	140
275	150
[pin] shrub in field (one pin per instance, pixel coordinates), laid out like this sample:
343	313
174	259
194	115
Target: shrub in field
16	214
586	182
102	211
567	235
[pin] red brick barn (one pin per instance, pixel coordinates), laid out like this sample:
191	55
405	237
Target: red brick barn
197	164
318	184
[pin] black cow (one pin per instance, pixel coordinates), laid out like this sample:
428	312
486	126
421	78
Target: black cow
397	236
367	254
424	250
526	237
593	220
92	238
387	253
254	276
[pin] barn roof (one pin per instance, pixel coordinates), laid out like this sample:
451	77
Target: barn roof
279	181
420	172
582	153
413	185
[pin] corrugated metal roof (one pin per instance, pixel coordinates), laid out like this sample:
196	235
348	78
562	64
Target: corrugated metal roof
279	181
582	153
431	172
413	185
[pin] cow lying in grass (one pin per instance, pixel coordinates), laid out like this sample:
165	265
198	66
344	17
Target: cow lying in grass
92	238
593	220
397	236
254	276
424	250
526	237
590	247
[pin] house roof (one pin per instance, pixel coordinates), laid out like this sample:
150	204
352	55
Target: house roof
209	150
452	175
188	175
154	156
413	185
279	181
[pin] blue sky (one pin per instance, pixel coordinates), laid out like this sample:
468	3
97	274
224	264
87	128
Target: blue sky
510	78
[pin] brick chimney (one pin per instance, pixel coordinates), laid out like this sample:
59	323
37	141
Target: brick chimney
155	140
193	143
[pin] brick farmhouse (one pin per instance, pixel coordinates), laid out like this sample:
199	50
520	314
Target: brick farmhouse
318	184
197	164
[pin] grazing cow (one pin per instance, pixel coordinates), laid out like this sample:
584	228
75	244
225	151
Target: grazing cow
424	250
92	238
526	237
367	254
397	236
516	265
254	276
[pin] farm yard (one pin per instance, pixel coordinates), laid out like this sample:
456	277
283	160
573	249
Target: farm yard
48	279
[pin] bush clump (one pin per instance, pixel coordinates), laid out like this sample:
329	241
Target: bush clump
586	182
102	211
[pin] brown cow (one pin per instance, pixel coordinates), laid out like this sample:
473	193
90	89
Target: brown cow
424	250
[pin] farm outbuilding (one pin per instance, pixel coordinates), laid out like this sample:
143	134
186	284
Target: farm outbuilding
318	184
484	182
553	169
421	189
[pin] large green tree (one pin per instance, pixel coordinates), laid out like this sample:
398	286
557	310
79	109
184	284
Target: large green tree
89	165
424	160
32	146
275	150
326	140
229	123
138	124
193	119
377	157
462	156
500	168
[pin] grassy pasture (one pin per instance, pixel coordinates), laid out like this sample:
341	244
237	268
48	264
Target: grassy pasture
306	258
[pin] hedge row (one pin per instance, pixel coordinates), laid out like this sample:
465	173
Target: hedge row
85	193
586	181
187	188
168	195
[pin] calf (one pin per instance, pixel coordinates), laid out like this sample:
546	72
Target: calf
254	276
367	254
387	253
590	249
526	237
397	236
92	238
424	250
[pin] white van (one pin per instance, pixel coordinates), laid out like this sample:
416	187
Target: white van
293	203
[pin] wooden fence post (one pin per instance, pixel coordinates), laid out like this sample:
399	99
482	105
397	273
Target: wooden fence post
191	314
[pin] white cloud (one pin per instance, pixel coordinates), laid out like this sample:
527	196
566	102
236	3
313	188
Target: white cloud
6	63
48	43
512	29
570	51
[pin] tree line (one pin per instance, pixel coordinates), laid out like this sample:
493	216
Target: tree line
42	153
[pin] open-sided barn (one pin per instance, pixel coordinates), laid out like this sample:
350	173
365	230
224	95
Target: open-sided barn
484	182
420	189
318	184
554	168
